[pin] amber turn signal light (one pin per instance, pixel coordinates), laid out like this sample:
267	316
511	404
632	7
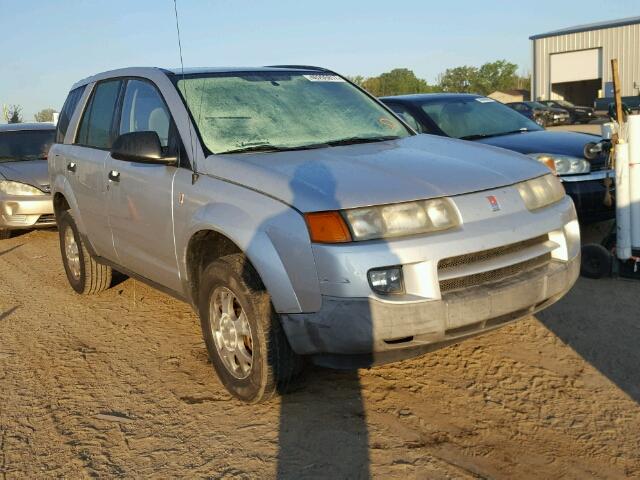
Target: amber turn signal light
327	227
550	163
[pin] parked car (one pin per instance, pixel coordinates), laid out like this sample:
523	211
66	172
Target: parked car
576	114
483	120
301	218
541	114
535	113
25	201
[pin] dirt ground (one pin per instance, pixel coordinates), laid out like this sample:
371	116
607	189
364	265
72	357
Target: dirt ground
118	385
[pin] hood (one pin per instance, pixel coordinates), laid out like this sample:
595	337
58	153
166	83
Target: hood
417	167
544	141
33	172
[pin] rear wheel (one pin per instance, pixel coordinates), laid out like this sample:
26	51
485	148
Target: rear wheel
85	275
596	261
5	234
245	340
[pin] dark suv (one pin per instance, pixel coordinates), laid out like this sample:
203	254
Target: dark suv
576	114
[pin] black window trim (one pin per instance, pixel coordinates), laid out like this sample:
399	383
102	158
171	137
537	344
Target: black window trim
80	90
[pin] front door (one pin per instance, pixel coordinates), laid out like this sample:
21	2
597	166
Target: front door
140	195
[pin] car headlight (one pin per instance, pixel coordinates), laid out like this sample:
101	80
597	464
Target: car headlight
402	219
18	189
565	165
541	192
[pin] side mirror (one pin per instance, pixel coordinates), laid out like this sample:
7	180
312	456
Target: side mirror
140	147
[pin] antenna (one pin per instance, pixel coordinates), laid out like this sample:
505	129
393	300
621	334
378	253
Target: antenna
194	166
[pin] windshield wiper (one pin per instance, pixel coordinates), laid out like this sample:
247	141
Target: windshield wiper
267	147
354	140
488	135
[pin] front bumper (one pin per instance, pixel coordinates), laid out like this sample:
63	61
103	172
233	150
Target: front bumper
588	194
26	212
355	327
361	332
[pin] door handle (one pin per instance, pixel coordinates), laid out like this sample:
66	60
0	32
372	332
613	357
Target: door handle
114	176
71	166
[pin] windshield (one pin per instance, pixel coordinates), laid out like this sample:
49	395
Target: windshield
25	145
476	117
266	111
537	105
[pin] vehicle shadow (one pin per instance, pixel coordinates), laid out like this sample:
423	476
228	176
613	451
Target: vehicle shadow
599	320
323	426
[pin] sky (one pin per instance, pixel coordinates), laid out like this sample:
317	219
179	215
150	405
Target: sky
48	45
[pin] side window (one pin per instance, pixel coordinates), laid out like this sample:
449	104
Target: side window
144	110
403	113
68	108
97	120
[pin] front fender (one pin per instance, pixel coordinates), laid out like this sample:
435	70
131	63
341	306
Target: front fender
274	238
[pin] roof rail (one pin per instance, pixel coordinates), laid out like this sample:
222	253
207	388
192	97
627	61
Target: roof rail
305	67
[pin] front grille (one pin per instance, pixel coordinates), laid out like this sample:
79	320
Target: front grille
493	275
46	218
490	276
489	254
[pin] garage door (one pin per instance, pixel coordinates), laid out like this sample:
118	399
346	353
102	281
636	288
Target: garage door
575	66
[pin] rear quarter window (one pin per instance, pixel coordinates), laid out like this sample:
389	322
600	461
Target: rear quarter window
68	108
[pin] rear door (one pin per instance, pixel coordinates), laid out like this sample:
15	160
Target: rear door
140	194
86	164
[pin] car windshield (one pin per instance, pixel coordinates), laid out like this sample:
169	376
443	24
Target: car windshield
25	145
476	117
283	110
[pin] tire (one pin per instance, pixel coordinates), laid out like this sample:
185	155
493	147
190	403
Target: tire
243	334
85	275
596	261
5	234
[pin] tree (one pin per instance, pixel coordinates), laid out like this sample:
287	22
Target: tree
12	113
459	79
45	115
492	76
396	82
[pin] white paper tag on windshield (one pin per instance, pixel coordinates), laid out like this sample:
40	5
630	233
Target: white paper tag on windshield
323	78
484	100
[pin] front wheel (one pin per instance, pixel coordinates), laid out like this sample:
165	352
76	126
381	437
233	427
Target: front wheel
86	276
245	340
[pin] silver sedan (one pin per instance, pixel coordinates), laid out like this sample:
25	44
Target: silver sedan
25	200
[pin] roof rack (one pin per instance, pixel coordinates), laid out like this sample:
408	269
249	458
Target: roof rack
302	67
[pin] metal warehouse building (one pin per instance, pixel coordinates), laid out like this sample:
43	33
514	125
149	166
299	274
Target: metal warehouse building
575	63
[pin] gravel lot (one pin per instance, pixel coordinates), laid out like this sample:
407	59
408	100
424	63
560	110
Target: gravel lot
118	385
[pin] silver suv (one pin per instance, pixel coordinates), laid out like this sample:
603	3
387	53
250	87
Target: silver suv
301	218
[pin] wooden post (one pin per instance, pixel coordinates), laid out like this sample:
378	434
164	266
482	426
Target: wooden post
616	90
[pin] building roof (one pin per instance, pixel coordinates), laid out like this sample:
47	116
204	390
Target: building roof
588	27
13	127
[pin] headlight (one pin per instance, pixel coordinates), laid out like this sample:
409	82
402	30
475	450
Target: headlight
565	165
541	192
18	189
402	219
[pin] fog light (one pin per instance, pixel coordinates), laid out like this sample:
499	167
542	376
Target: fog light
386	281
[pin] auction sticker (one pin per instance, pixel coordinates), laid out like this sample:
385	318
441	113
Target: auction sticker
323	78
484	100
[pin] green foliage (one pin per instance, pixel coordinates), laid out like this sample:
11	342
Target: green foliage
45	115
492	76
398	81
12	113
